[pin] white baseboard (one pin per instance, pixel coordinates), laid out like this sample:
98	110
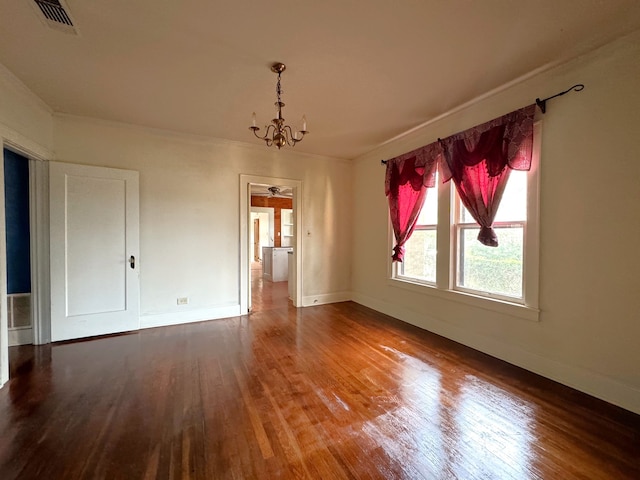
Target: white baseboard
188	316
20	336
586	381
325	298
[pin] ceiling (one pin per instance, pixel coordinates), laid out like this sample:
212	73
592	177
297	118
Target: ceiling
362	71
277	191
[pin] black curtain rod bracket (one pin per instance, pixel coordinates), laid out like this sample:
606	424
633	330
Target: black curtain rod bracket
543	103
384	162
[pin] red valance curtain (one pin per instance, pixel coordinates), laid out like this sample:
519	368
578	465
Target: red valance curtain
477	160
407	179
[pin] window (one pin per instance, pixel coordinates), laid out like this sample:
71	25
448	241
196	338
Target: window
495	271
444	255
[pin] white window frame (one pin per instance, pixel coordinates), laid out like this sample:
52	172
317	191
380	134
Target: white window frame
446	262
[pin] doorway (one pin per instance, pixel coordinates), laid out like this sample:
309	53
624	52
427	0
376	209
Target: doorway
37	244
274	279
271	214
18	248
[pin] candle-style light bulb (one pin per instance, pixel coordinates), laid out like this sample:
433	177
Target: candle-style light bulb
253	119
304	123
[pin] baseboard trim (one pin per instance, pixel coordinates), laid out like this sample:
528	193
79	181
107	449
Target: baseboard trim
325	298
189	316
592	383
20	336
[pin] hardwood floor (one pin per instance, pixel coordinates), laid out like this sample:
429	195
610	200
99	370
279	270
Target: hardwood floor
330	392
266	295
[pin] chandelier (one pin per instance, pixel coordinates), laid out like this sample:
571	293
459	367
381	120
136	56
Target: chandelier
277	133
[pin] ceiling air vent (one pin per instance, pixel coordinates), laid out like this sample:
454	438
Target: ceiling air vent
56	15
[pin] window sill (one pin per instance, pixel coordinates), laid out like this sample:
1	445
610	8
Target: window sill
494	305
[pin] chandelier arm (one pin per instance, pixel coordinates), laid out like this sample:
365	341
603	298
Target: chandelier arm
270	127
268	138
266	132
255	132
291	139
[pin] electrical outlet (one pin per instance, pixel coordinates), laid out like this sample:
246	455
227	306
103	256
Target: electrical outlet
183	300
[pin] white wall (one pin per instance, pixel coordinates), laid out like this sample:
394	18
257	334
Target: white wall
589	327
25	120
25	125
189	212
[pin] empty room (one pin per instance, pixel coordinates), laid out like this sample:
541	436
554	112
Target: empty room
333	240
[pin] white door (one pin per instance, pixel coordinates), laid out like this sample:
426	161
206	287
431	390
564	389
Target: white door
94	250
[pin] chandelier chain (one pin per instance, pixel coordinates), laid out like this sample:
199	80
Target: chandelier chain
278	90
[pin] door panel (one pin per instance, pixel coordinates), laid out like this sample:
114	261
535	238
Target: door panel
94	232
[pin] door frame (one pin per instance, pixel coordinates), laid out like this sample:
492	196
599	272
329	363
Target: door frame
39	244
245	254
256	239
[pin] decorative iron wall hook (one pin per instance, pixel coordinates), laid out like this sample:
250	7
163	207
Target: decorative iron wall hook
543	103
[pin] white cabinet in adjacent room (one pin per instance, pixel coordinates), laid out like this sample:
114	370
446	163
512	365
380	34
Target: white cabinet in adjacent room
275	263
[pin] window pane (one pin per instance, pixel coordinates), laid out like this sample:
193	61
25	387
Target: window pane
429	213
513	206
491	269
465	216
420	256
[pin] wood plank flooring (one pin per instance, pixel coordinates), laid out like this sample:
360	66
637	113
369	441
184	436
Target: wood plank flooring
266	295
329	392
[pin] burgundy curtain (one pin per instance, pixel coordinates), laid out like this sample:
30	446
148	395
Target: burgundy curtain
407	179
479	161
